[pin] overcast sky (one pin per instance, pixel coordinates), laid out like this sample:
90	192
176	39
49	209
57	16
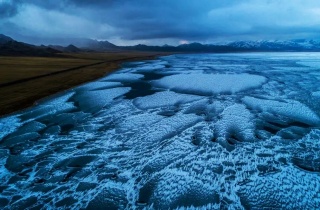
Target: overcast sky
159	21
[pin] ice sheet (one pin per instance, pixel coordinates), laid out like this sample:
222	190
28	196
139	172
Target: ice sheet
93	101
121	77
204	131
98	85
208	84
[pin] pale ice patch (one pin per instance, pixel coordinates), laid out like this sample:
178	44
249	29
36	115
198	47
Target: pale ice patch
149	67
9	125
313	64
291	109
92	101
46	110
290	69
50	106
316	94
233	67
98	85
208	84
123	77
164	99
60	100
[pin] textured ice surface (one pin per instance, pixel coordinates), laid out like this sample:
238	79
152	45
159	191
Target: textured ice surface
205	131
164	99
210	83
293	110
237	122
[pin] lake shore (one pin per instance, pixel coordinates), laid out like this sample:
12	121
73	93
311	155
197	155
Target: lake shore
25	80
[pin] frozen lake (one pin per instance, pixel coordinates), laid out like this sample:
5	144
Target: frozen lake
206	131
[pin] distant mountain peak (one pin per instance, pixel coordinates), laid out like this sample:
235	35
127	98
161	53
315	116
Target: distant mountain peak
11	47
4	39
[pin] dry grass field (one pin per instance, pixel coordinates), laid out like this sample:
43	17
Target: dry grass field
16	68
24	80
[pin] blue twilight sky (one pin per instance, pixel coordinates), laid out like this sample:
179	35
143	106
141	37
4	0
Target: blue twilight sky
128	22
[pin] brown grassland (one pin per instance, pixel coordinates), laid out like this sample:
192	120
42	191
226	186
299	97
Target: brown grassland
24	80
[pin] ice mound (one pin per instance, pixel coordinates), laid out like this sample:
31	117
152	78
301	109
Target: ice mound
236	123
32	126
208	84
168	194
121	77
20	139
279	191
92	101
164	99
209	109
291	109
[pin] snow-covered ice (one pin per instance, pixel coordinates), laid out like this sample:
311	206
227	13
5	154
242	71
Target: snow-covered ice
291	109
236	121
204	131
208	84
164	99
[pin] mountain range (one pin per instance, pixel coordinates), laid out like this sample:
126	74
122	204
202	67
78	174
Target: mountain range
240	46
11	47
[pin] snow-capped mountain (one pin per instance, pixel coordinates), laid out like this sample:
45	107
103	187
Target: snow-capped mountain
8	46
238	46
277	45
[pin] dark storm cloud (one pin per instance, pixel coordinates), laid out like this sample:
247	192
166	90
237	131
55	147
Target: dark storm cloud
9	8
193	20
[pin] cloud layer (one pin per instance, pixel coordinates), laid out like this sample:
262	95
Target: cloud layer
153	21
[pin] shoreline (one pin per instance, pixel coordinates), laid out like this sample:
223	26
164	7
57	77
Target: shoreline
24	93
